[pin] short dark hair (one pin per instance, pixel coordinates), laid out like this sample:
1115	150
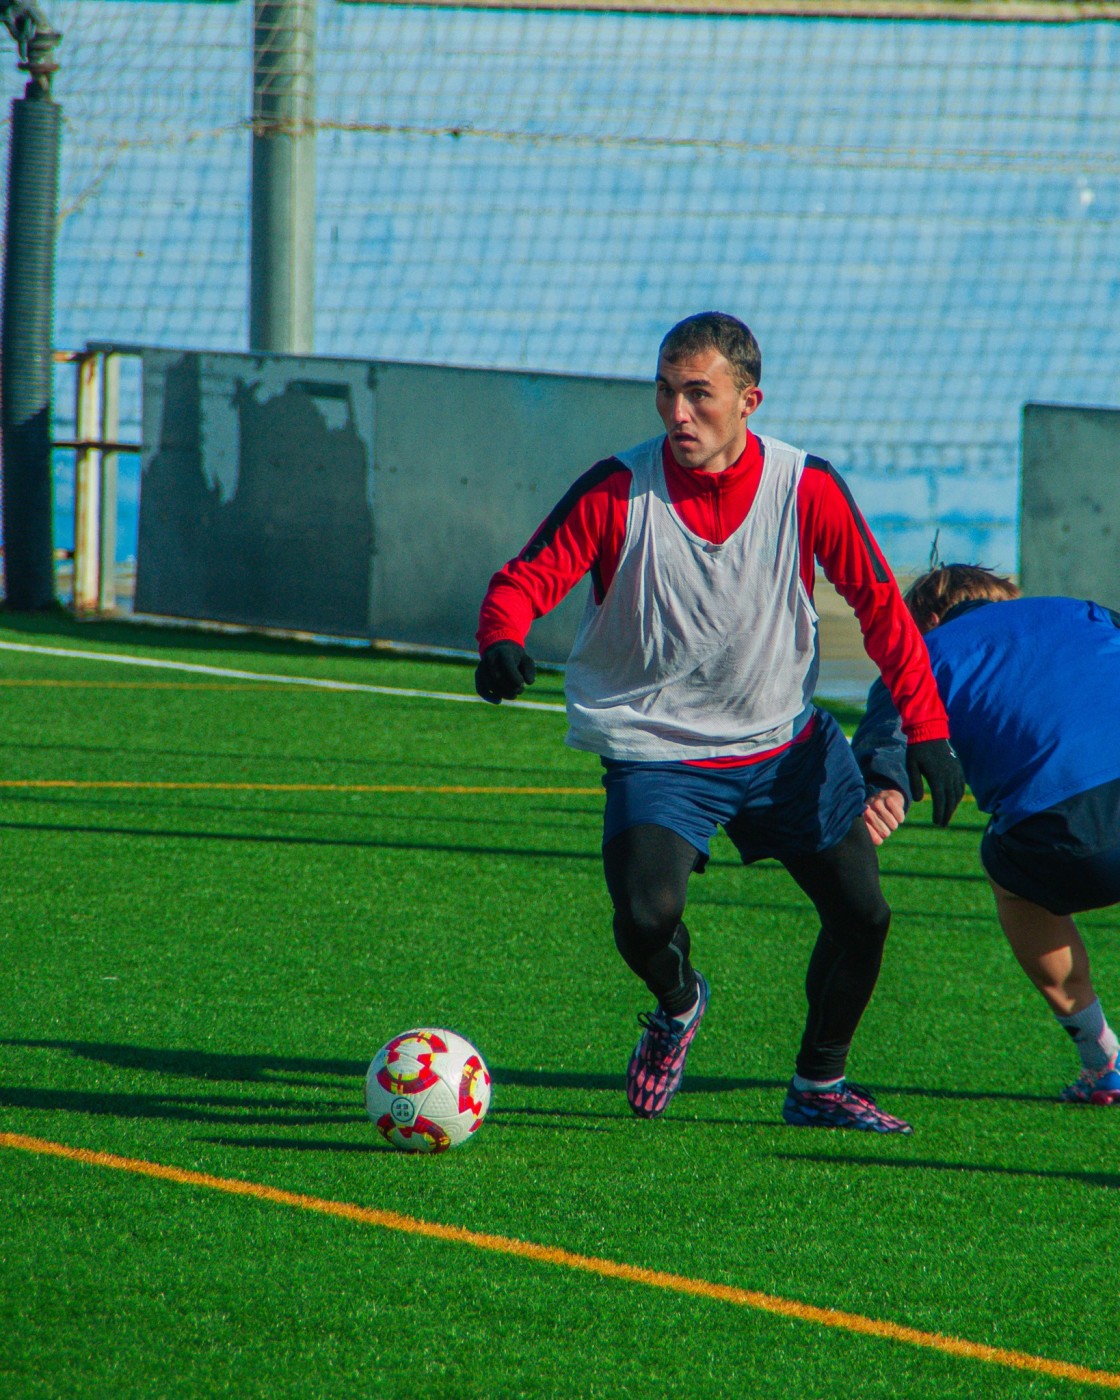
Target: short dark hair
931	595
716	330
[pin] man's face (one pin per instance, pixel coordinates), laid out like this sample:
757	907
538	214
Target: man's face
704	411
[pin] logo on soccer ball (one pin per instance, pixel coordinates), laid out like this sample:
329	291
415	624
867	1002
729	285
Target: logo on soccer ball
402	1110
412	1054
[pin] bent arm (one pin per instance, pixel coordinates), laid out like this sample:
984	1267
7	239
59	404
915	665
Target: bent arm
879	745
853	562
582	534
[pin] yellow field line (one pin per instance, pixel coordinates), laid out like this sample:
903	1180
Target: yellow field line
453	789
563	1258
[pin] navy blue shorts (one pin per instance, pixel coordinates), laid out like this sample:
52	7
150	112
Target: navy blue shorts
1067	859
800	801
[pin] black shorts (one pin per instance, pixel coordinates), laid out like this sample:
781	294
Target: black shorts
1067	858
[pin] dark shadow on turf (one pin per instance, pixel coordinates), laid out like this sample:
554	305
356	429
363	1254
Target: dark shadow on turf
201	1064
529	853
290	1069
71	829
616	1083
889	875
294	1069
724	1084
967	1095
1109	1180
501	1120
519	775
302	1145
804	910
504	1117
180	1107
263	804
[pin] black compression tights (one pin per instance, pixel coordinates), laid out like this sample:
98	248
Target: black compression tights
647	870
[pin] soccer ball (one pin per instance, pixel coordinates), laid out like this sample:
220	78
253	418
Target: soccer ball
427	1090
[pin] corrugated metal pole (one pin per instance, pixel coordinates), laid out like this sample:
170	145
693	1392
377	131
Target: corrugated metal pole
26	365
110	431
87	483
282	231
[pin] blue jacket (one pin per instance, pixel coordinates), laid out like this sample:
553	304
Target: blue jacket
1032	691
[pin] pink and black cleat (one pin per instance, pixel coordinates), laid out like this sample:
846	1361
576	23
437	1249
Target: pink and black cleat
845	1106
656	1067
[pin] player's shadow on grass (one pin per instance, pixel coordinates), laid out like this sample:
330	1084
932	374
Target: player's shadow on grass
304	1110
375	769
185	1108
314	1073
578	1119
271	839
357	843
724	1084
1110	1181
303	1072
504	1075
303	1144
532	815
202	1064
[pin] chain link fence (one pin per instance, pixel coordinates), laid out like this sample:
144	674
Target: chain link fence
918	218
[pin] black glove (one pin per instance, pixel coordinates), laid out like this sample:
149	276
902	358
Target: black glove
504	672
935	760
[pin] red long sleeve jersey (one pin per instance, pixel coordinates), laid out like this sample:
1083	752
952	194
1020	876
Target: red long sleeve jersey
584	534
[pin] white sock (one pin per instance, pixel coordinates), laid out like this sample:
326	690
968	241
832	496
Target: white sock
1093	1037
815	1086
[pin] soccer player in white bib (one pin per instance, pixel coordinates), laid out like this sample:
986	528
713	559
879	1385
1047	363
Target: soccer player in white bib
692	677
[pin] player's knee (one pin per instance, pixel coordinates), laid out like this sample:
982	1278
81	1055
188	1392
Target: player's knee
879	921
866	926
646	922
876	923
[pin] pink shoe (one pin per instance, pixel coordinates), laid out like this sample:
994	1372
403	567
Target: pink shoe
845	1106
1095	1086
656	1067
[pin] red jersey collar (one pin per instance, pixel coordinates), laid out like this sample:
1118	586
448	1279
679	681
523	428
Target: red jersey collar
686	480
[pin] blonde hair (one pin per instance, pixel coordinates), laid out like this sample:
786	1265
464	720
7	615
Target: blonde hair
931	596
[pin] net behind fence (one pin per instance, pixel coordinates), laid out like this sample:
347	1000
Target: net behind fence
917	218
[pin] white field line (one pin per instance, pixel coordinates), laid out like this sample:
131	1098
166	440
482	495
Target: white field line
229	673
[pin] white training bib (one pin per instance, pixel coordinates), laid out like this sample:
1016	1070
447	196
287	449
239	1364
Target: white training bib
698	650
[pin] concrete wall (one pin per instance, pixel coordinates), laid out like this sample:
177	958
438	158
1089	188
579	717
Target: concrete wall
1070	502
355	498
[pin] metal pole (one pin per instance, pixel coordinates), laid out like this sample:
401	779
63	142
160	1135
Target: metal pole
26	366
87	483
110	431
282	223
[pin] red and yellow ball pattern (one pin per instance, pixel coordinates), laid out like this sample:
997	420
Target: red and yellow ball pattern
427	1090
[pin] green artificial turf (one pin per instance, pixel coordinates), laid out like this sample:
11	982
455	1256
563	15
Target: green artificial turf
199	978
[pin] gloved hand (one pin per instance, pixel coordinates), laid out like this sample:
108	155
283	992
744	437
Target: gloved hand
504	672
935	760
